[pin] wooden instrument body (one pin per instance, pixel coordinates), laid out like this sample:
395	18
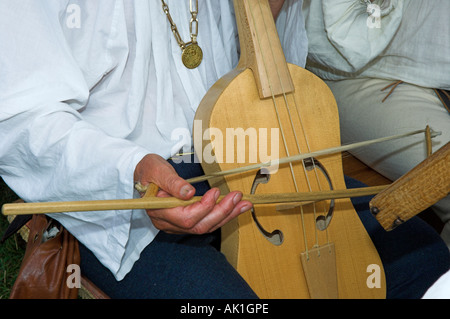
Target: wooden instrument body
237	101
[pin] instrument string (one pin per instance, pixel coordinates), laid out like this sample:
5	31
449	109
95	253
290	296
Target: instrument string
288	110
274	101
299	148
293	127
297	143
299	157
302	219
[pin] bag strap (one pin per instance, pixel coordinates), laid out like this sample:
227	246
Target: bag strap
18	222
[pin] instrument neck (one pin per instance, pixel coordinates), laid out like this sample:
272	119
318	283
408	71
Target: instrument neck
261	49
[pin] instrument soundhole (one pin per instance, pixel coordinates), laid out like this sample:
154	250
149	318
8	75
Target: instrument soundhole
275	237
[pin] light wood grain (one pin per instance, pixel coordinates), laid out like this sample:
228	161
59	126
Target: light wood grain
310	110
417	190
151	202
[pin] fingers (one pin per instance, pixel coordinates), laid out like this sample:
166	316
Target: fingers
202	217
154	169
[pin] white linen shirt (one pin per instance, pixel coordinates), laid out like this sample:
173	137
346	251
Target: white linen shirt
409	42
88	88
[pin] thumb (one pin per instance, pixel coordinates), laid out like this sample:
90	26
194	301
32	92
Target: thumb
154	169
175	185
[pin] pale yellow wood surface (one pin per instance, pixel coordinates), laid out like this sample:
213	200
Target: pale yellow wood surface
276	272
311	111
261	49
151	202
319	266
414	192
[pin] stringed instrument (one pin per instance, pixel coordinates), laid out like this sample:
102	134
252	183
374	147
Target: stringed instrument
288	246
319	250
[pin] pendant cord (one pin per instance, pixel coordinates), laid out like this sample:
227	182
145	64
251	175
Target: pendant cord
191	53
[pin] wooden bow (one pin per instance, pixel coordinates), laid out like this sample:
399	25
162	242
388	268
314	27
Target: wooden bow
384	204
415	191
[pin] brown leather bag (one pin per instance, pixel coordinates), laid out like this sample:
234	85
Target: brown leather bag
43	273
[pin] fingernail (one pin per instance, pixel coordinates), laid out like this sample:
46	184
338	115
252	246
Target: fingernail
216	195
185	190
237	198
246	208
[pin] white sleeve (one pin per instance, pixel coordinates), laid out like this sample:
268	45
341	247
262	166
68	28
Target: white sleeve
347	35
291	29
47	151
440	289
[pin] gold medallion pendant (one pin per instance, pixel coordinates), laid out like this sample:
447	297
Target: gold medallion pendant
192	56
191	53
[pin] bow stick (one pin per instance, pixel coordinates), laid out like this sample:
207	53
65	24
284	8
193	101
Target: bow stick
296	158
148	202
159	203
420	188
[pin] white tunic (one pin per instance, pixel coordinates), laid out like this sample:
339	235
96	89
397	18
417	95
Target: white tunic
346	40
89	87
409	40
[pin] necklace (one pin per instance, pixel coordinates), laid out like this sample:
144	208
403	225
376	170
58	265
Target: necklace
191	53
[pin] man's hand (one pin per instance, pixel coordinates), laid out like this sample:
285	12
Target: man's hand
202	217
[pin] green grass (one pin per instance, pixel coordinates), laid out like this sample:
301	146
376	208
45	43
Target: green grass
12	250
